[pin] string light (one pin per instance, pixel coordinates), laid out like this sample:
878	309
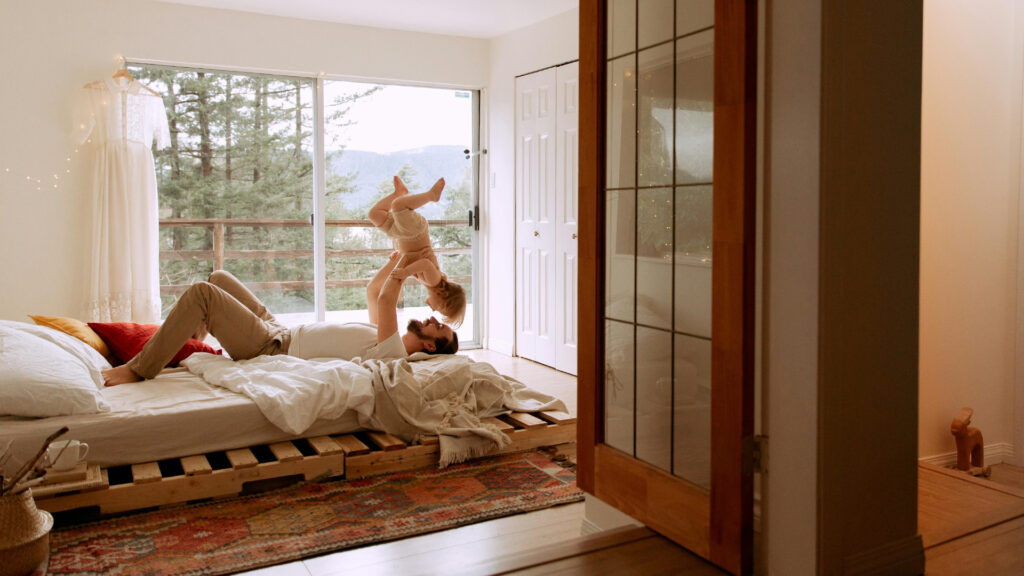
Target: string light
30	179
38	180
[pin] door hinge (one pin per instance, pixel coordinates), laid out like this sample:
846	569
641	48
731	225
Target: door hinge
759	454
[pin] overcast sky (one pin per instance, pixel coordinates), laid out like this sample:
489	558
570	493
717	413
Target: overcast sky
403	117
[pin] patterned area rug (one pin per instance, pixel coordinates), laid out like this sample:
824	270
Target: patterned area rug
309	519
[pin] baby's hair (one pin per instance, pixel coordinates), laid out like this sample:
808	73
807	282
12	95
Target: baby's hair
453	302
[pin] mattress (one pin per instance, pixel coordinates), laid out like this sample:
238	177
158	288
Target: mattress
173	415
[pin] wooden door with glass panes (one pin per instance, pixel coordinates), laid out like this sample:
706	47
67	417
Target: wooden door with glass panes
667	144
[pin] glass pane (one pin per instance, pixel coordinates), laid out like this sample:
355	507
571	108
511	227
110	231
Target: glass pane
654	117
618	386
695	92
693	260
620	156
621	27
654	22
654	258
240	148
374	132
620	260
693	15
654	396
658	251
692	410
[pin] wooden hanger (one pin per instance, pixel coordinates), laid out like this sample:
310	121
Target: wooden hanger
124	73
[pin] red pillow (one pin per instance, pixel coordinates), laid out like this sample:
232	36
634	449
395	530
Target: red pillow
126	339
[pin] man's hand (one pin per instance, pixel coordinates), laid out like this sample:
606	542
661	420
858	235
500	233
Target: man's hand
423	270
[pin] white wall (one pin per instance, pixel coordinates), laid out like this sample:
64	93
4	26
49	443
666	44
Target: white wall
970	151
553	41
49	49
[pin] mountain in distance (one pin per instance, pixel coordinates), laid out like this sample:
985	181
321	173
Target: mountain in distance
429	163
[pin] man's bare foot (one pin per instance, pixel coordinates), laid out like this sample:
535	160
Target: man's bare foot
120	375
435	190
400	189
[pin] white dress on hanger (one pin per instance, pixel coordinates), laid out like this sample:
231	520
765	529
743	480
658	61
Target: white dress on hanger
116	123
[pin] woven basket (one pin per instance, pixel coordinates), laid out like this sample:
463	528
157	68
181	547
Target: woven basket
24	534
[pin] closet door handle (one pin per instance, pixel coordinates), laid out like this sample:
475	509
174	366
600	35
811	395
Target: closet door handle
536	233
573	235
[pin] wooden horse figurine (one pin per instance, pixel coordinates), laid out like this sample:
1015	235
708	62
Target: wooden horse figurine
970	448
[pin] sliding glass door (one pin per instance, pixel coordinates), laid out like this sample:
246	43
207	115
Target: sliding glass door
374	132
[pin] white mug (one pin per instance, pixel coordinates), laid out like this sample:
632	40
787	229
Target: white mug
66	454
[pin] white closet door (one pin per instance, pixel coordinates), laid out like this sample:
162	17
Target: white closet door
566	214
535	216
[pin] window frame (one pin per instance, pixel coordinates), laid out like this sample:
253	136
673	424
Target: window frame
319	171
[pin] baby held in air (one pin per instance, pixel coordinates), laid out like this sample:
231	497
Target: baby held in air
396	216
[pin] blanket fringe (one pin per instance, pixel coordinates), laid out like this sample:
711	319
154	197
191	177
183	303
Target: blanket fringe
455	450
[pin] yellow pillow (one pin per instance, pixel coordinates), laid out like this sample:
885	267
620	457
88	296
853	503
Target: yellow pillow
76	328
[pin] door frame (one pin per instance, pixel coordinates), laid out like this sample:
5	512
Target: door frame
724	518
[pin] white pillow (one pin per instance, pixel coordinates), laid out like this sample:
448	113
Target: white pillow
86	354
39	378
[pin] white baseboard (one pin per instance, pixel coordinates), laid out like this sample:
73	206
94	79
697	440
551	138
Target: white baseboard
502	346
588	528
994	454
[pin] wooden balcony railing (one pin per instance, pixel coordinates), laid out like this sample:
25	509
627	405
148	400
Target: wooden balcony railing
219	253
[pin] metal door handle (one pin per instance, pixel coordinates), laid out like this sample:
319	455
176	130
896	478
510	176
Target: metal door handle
536	233
573	235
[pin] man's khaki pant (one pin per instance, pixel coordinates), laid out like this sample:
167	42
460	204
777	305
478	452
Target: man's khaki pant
232	313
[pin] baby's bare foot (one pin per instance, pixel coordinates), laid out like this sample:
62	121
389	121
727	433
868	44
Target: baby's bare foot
435	190
120	375
400	189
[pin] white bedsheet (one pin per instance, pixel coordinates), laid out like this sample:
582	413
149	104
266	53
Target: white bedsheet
271	399
291	392
175	414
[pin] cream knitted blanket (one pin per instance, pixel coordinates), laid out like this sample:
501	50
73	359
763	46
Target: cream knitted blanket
448	396
408	398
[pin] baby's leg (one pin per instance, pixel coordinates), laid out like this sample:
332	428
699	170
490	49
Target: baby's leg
414	201
379	213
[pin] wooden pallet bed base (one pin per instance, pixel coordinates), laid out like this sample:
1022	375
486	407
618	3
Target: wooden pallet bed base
220	474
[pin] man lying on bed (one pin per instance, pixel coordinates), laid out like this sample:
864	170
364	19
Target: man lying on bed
246	329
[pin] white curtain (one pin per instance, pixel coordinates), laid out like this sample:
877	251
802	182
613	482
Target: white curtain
116	123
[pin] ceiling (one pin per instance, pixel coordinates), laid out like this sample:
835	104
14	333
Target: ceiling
472	18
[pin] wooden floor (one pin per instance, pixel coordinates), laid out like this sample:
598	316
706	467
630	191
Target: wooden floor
969	526
972	525
543	542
